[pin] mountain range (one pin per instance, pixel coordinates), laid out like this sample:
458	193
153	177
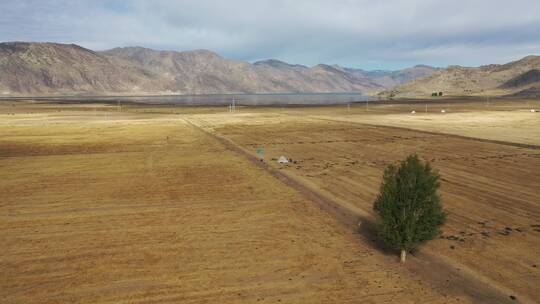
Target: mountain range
517	78
28	68
67	69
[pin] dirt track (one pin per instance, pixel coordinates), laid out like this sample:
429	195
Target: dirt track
127	208
446	278
139	206
344	161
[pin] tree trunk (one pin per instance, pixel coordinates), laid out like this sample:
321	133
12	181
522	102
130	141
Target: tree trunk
403	255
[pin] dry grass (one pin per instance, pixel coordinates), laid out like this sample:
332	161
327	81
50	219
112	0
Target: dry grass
138	206
130	208
489	189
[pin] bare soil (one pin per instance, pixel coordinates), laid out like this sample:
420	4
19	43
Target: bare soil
489	189
171	204
145	208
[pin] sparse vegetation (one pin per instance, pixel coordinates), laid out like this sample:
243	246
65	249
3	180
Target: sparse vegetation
408	205
56	157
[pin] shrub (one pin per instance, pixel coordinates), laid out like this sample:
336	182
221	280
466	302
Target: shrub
409	208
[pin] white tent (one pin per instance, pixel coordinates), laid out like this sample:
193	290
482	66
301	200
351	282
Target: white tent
283	160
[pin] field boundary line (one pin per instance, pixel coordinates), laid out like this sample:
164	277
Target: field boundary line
485	140
422	263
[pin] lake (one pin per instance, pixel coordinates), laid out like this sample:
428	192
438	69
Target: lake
215	99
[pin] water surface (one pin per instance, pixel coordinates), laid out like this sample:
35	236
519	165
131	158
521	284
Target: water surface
216	99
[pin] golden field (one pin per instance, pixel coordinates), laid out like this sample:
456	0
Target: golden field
167	204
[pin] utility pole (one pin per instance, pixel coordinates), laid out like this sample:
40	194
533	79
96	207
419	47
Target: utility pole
426	108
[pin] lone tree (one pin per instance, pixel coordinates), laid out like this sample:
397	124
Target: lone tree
408	205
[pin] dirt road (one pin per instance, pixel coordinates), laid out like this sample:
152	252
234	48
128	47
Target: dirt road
114	207
489	189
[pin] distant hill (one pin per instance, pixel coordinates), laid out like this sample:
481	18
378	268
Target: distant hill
390	79
50	68
495	79
60	69
527	80
202	71
529	93
280	64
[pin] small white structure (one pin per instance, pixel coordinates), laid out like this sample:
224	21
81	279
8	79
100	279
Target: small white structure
533	110
443	111
413	112
283	160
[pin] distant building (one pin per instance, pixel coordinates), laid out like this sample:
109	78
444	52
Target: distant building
283	160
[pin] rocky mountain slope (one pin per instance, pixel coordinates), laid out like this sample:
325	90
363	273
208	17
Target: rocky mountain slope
202	71
390	79
59	69
511	78
47	68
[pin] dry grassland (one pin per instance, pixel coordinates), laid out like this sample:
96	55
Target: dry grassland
140	205
117	207
490	190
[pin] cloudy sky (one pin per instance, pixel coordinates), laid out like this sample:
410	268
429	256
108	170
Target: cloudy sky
384	34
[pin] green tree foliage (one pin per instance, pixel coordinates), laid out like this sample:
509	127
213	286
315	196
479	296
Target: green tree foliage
409	208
